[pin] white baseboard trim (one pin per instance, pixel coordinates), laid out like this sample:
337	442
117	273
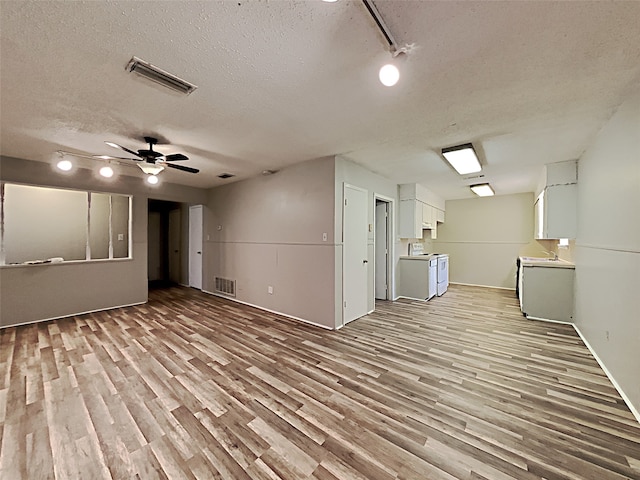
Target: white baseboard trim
634	411
485	286
563	322
72	315
414	298
309	322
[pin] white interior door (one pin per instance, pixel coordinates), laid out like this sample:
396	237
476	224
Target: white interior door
381	250
174	245
355	261
195	246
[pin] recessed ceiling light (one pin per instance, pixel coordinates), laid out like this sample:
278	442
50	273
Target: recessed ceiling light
152	179
65	165
463	158
389	75
482	190
106	172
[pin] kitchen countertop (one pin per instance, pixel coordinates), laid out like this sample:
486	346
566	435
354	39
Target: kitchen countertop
417	257
545	262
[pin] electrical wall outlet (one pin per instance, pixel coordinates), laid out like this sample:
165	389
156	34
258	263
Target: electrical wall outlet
324	237
121	236
270	290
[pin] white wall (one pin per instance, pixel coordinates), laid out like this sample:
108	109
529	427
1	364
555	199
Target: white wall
483	237
268	231
38	292
351	173
607	252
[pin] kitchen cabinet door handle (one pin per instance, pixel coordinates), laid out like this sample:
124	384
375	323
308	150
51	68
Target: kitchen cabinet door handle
365	261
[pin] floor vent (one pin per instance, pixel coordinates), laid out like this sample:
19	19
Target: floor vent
226	286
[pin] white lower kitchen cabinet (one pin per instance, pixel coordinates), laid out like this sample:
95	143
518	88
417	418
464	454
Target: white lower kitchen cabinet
546	291
418	277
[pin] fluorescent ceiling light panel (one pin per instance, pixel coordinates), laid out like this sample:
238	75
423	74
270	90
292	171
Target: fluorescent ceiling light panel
482	190
463	158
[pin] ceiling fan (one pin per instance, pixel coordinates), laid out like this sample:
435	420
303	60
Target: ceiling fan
151	162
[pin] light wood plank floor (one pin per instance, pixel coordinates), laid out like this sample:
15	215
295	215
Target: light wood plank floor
192	386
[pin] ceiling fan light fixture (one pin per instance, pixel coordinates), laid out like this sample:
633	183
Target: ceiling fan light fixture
151	168
152	179
106	171
162	77
64	165
482	190
462	158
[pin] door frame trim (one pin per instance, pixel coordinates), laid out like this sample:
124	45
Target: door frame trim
191	253
390	243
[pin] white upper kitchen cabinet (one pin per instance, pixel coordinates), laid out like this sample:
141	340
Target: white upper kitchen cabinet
420	209
555	214
410	219
427	216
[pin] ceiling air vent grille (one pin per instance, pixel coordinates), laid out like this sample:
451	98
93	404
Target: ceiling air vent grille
158	75
226	286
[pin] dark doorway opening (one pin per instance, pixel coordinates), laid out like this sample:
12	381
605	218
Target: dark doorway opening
164	244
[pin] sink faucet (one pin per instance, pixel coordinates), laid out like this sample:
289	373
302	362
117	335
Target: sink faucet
555	255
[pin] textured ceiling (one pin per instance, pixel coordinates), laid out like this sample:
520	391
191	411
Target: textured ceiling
281	82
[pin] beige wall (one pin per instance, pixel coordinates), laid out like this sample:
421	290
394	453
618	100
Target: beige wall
607	252
484	236
39	292
268	231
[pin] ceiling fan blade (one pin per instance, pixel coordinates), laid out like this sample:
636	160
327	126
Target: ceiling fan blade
109	157
175	157
115	145
181	167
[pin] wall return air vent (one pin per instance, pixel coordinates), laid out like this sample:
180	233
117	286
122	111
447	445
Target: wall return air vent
226	286
155	74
